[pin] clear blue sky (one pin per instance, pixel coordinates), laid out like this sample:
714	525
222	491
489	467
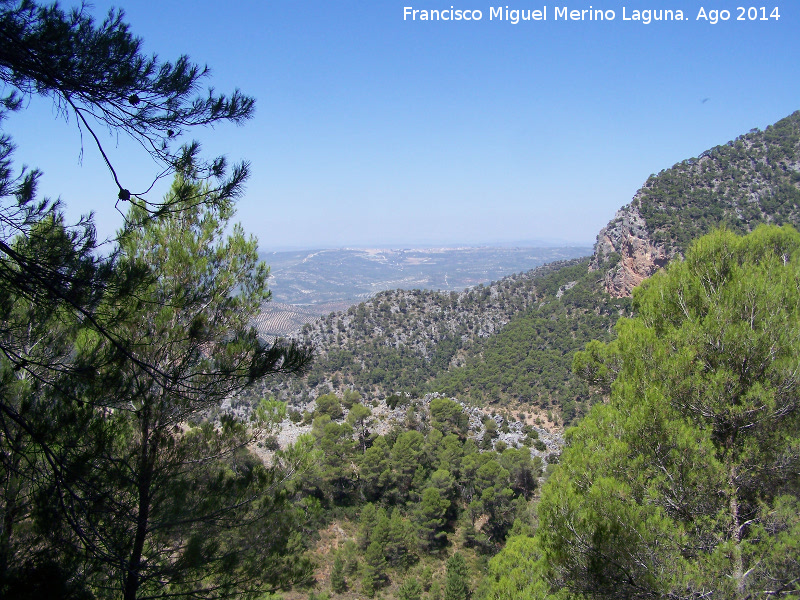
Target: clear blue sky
372	130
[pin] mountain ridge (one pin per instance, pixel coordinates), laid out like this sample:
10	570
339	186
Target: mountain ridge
351	275
750	180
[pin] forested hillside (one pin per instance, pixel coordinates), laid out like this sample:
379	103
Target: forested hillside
509	347
512	342
154	445
751	180
507	343
410	336
685	483
529	362
388	508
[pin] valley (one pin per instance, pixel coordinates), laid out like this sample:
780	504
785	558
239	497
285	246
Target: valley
309	284
184	416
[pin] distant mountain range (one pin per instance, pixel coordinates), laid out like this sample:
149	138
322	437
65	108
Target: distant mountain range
512	342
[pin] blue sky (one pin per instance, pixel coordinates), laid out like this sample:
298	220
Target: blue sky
375	131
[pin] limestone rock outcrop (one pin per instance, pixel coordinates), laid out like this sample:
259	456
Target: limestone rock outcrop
626	252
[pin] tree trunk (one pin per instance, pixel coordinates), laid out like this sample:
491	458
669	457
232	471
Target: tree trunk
145	476
736	533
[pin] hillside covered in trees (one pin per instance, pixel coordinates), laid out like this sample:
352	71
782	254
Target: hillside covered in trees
512	342
685	483
751	180
549	345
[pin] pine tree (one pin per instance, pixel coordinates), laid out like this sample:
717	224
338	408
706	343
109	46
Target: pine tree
410	590
97	74
686	481
456	585
132	354
399	548
374	569
338	581
127	458
209	287
431	519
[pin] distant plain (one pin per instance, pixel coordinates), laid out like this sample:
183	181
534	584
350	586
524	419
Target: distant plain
308	283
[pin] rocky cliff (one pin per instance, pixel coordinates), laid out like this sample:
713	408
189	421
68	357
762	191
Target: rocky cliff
626	252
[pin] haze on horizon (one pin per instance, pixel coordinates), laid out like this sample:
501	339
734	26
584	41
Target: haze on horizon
375	131
429	245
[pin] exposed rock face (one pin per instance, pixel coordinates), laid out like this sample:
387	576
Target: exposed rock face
624	248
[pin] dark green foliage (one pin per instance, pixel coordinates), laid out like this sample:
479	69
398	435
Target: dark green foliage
375	473
687	480
748	181
457	579
396	400
420	486
138	501
443	481
522	470
530	359
448	417
338	581
105	489
359	418
492	496
349	398
369	518
406	461
351	556
145	462
336	472
431	518
329	405
97	73
410	590
448	452
401	545
374	569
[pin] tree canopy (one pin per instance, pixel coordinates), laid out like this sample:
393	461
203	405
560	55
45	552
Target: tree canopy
97	74
113	469
114	483
686	482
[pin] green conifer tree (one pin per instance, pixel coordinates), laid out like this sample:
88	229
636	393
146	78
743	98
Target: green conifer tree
686	482
374	569
410	590
457	579
338	581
